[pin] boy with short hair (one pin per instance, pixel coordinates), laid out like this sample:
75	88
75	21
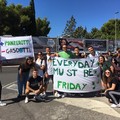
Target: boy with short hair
35	85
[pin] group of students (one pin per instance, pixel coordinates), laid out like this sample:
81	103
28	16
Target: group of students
110	75
34	75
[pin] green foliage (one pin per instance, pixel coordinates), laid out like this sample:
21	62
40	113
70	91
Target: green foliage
107	31
95	33
78	33
42	27
17	20
32	26
70	27
3	3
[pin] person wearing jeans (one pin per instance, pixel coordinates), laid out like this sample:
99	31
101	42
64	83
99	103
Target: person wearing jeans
23	75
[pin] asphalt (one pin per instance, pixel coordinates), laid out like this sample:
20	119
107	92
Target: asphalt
77	107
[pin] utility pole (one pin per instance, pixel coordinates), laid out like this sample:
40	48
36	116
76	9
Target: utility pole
115	43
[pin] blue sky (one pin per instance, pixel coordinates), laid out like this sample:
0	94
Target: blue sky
88	13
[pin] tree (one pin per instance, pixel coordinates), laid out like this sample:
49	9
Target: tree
42	27
78	33
95	33
32	18
70	27
108	30
3	4
17	20
12	16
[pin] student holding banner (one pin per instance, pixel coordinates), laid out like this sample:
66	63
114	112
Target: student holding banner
77	53
92	52
49	70
23	75
65	53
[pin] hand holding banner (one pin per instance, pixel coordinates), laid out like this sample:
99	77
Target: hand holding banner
76	75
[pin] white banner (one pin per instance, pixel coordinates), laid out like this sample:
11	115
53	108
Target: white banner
76	75
16	47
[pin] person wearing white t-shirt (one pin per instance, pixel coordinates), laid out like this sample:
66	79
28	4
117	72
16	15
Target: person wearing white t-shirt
92	52
49	70
40	63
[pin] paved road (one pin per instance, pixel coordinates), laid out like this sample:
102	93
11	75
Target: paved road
69	108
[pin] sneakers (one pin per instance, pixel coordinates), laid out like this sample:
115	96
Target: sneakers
64	95
113	105
56	94
39	98
26	100
43	95
2	103
118	105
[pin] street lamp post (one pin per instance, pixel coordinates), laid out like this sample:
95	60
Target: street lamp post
115	44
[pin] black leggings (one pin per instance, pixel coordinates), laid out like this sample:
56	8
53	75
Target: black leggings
0	89
114	96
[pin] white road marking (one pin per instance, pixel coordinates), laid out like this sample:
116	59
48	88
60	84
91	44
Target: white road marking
90	104
12	87
5	86
87	103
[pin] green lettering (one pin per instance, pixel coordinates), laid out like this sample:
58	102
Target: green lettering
75	62
59	83
59	62
90	72
69	72
77	86
80	65
54	63
86	64
64	85
58	71
66	63
68	86
86	72
72	86
70	63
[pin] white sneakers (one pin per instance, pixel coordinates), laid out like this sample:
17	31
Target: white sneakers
43	95
56	94
26	99
2	103
115	106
